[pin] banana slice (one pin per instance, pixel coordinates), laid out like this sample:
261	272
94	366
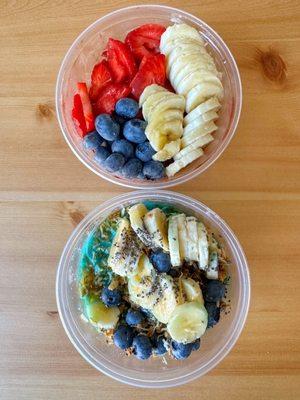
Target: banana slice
148	91
101	316
200	121
183	236
156	138
170	297
202	246
199	142
183	43
212	271
144	275
172	127
192	238
136	215
187	55
200	93
156	100
172	114
188	322
202	68
173	238
196	133
156	224
177	31
177	165
125	250
169	151
138	296
192	290
197	78
209	105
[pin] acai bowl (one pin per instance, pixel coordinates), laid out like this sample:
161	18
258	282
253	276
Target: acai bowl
94	319
179	91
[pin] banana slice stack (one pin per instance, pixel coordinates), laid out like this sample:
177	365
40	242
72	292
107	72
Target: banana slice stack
193	74
188	241
163	110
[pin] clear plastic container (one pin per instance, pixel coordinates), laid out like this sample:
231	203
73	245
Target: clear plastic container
85	52
153	373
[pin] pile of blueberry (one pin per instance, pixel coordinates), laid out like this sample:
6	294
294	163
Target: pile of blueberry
120	143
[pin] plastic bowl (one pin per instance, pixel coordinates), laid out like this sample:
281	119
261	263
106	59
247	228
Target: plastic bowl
153	373
85	52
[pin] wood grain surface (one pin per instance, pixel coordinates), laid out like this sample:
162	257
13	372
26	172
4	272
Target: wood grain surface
45	192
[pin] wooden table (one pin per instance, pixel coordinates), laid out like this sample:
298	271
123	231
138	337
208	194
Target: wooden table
45	191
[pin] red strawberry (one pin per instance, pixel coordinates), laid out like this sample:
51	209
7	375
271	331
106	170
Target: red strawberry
86	106
99	78
144	40
152	70
78	116
120	60
108	97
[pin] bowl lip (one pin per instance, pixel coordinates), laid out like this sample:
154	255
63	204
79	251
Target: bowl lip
180	179
241	264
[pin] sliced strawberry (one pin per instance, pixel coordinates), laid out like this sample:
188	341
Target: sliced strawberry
121	61
86	106
144	40
152	70
78	116
99	78
108	97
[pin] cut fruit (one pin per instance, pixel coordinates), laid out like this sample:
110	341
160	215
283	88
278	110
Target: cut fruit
197	78
151	71
101	316
144	40
188	322
192	290
199	142
201	93
183	236
204	130
169	151
173	238
179	31
169	299
148	91
153	101
156	138
120	60
212	104
156	224
125	250
192	238
100	77
78	116
136	216
200	121
212	271
108	97
144	272
177	165
86	106
202	246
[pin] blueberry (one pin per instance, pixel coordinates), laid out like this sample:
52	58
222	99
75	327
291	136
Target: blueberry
114	162
161	261
196	345
92	141
132	168
123	147
119	120
134	317
111	298
142	347
127	108
123	337
154	170
134	131
101	154
181	350
214	291
213	312
159	345
107	127
144	151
